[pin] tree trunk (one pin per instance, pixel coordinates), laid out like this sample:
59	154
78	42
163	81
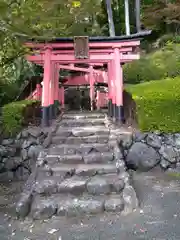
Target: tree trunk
110	18
127	17
137	13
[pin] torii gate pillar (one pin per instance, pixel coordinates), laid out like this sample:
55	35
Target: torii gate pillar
118	87
110	86
91	81
113	89
56	89
52	93
45	88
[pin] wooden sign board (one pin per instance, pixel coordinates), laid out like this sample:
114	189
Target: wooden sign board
81	47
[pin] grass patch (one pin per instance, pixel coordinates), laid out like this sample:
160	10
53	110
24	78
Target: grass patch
158	105
13	117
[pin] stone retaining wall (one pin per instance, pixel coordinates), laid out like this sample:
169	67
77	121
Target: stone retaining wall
144	151
18	155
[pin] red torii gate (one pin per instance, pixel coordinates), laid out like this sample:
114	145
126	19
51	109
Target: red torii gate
59	53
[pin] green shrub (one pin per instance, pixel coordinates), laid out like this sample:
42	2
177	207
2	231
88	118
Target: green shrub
143	70
158	65
168	38
13	115
158	105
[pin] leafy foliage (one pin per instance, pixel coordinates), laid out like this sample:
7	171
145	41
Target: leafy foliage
162	15
12	115
29	18
160	64
12	76
158	105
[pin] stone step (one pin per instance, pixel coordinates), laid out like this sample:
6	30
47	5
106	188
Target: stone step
45	208
60	169
84	115
82	122
78	185
81	131
68	159
105	157
83	149
80	140
96	157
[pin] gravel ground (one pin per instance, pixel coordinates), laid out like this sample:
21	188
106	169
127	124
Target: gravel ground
158	217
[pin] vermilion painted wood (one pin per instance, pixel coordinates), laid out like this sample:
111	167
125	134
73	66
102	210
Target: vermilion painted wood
113	88
91	83
46	78
74	68
52	85
98	45
99	51
89	63
118	78
84	79
109	81
94	58
54	56
101	99
96	64
77	80
39	91
88	70
56	79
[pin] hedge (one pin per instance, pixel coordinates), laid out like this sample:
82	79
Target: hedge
158	105
160	64
13	115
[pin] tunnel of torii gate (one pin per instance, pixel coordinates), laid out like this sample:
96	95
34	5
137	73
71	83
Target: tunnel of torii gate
65	53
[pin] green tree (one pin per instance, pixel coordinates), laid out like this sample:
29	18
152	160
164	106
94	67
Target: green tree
162	16
42	18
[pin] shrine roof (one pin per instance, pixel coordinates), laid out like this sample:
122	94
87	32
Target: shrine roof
122	38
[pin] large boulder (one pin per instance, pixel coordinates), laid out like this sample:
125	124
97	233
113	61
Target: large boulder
142	157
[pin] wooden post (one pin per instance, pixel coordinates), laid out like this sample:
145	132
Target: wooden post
110	110
91	82
45	89
113	90
38	92
118	86
56	89
52	93
56	83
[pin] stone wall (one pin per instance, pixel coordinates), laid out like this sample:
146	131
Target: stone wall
18	155
144	151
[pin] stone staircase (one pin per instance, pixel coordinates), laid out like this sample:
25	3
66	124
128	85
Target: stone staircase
82	172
